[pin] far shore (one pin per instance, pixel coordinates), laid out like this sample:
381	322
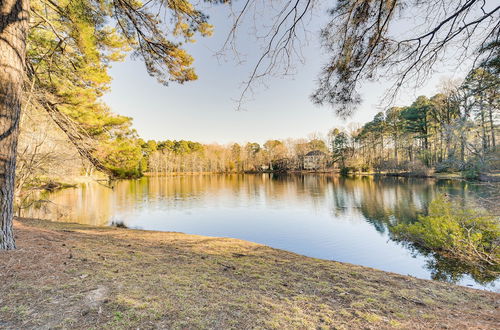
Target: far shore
485	177
66	275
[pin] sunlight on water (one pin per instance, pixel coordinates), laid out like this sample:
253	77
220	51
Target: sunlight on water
322	216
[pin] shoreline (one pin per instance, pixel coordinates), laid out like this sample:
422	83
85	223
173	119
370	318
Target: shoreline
128	278
438	176
75	182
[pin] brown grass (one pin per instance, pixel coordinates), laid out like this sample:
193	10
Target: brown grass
76	276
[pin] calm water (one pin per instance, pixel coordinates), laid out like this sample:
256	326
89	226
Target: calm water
322	216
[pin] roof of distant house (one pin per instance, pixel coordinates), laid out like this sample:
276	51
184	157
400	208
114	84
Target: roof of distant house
315	153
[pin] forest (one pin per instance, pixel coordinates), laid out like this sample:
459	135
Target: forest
452	131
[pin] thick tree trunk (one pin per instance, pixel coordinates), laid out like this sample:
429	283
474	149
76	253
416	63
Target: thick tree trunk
13	30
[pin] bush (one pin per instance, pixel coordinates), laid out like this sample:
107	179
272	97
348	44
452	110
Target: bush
471	174
448	166
417	168
450	230
390	165
345	170
121	173
366	168
471	171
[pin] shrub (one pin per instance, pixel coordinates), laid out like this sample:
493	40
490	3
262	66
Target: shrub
449	166
344	170
471	171
121	173
390	165
417	168
450	230
471	174
366	168
118	224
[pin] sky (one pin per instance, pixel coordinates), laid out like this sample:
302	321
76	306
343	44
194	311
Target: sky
206	111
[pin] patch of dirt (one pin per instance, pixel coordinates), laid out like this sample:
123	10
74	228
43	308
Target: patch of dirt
96	298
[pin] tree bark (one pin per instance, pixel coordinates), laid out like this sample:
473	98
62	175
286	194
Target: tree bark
395	137
483	125
13	30
492	124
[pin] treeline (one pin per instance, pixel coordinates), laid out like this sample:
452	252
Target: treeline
454	130
45	154
187	156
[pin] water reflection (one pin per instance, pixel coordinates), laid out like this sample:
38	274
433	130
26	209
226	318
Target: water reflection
324	216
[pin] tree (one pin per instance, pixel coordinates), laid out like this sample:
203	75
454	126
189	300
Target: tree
416	122
394	124
252	148
236	157
317	144
372	136
443	112
275	150
363	45
44	157
484	86
340	147
13	29
123	156
65	49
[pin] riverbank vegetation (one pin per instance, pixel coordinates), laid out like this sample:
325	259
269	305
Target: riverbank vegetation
452	131
122	278
468	235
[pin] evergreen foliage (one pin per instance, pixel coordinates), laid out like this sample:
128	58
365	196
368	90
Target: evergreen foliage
451	230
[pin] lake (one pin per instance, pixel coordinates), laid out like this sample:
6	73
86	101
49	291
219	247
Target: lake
317	215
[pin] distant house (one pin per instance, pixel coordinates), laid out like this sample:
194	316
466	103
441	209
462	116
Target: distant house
314	160
263	167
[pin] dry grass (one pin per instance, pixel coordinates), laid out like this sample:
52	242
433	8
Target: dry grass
76	276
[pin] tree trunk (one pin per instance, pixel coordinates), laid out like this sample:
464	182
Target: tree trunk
13	30
396	149
483	125
492	127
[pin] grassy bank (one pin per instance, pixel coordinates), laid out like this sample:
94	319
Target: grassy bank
77	276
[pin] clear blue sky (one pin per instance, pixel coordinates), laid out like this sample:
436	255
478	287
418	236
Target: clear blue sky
205	110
